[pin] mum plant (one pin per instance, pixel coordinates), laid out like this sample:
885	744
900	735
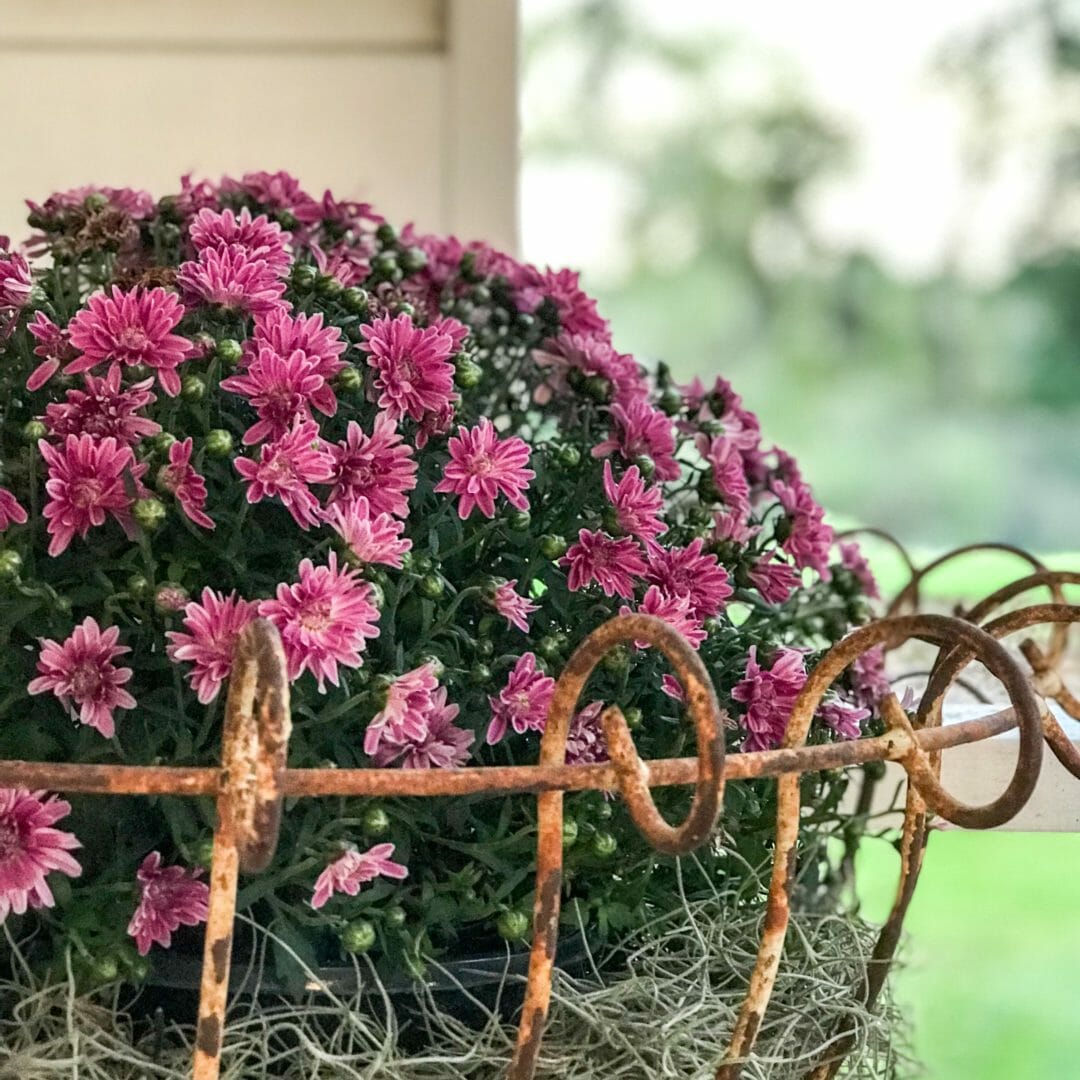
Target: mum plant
429	466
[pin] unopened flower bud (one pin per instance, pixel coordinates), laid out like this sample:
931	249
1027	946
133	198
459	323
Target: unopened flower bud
34	430
358	936
355	300
467	373
150	513
304	276
375	822
552	547
431	586
386	234
219	443
327	285
413	260
519	520
10	565
192	388
171	598
162	441
671	401
229	351
513	925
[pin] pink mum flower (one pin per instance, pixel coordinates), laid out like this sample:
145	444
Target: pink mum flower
287	334
441	744
279	190
179	478
169	897
371	538
688	571
231	279
637	507
354	868
769	695
30	848
10	510
213	627
639	430
259	237
285	469
104	408
809	538
774	580
585	744
612	564
53	347
86	482
325	620
483	466
282	391
403	715
844	719
15	280
734	525
522	703
588	355
513	608
413	373
81	672
675	610
728	470
131	328
672	687
577	310
852	558
869	680
377	467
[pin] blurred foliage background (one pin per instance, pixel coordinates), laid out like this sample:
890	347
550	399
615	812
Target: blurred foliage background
868	218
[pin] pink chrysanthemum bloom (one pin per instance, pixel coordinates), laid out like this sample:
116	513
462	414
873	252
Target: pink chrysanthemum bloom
441	745
408	699
612	564
769	695
378	467
434	425
577	310
843	719
413	373
282	390
676	610
809	539
81	672
590	356
169	897
852	558
637	507
212	628
482	466
15	280
513	608
869	680
285	469
104	408
287	334
179	478
522	704
354	868
10	510
776	581
585	743
370	538
279	190
231	279
53	347
325	619
131	328
728	470
639	430
86	482
735	526
691	572
30	849
259	237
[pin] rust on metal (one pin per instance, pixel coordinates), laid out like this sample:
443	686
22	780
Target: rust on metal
253	780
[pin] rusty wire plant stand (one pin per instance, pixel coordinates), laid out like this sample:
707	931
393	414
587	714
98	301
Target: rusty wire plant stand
254	778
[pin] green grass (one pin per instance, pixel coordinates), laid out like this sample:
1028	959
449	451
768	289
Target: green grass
992	975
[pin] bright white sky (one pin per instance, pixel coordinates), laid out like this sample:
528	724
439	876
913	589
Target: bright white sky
868	64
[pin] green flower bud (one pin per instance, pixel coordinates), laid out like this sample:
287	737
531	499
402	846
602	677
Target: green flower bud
569	457
149	513
633	717
525	322
617	660
513	925
569	833
33	430
304	276
327	285
604	845
519	520
394	916
403	307
138	585
385	265
219	443
162	441
480	675
413	260
355	300
438	668
422	564
139	968
468	266
645	466
375	821
95	201
229	351
358	936
604	811
106	968
287	220
598	388
485	648
169	233
670	401
376	596
192	388
548	647
552	546
386	234
711	427
202	851
431	586
467	374
10	565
